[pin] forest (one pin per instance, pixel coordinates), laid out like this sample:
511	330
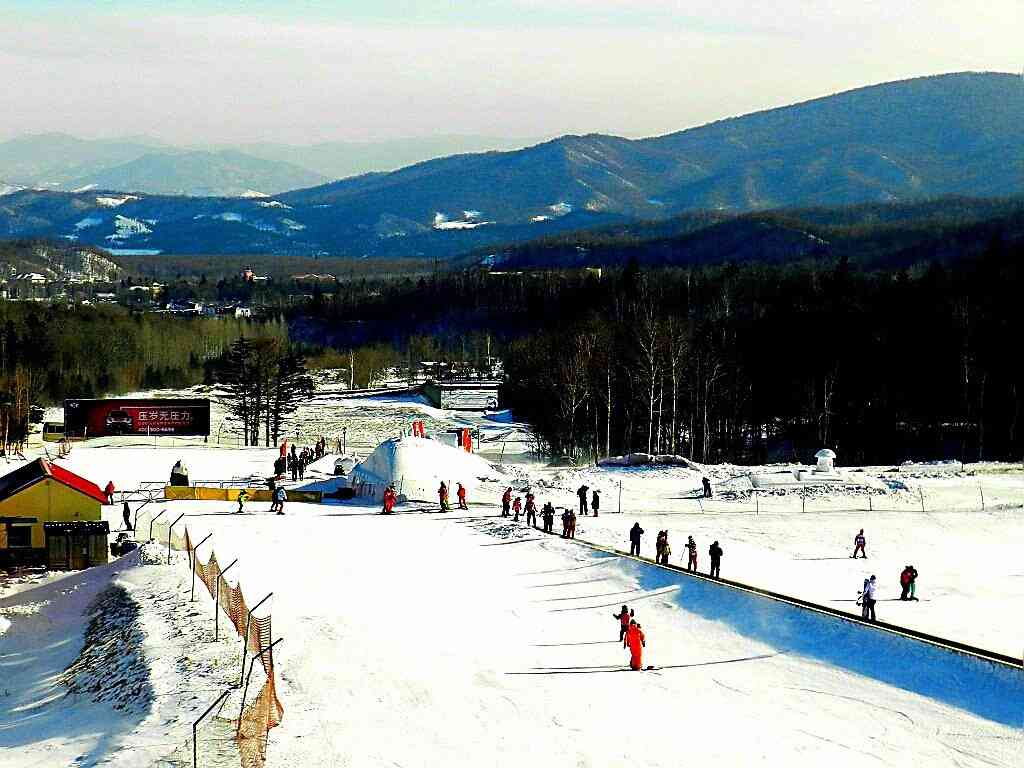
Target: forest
736	362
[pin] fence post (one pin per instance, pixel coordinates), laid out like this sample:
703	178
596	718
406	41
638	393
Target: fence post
982	492
195	727
245	640
620	497
195	557
803	500
169	533
216	604
920	493
248	677
153	520
757	503
871	507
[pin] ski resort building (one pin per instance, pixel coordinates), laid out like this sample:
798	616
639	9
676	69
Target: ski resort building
50	516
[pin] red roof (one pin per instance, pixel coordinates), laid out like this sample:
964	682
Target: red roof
74	481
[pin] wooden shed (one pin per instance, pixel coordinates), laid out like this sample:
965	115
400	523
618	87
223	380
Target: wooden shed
50	516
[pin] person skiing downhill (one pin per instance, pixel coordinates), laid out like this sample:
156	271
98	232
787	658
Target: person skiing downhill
460	494
636	642
859	543
506	501
634	539
595	502
691	561
582	493
442	497
623	616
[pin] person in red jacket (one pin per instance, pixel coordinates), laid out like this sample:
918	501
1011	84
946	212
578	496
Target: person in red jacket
506	501
109	491
531	509
390	497
442	497
636	642
517	507
623	616
460	493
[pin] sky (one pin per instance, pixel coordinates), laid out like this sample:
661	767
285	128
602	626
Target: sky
302	71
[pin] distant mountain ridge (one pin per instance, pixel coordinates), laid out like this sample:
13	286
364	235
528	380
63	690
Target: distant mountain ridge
958	134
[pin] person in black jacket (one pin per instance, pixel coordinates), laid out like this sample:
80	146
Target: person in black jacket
715	552
582	493
634	539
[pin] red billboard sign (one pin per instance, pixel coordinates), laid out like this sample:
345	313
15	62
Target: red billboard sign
106	418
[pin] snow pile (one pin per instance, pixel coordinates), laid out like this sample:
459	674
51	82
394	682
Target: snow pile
643	459
252	193
111	666
125	227
9	189
470	220
89	221
273	204
418	465
113	202
560	209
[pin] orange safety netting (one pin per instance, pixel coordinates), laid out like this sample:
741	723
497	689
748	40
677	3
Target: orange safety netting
265	711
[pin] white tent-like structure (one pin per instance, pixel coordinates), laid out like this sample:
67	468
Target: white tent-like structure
418	465
826	460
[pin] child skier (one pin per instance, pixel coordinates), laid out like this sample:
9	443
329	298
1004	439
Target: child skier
623	616
691	562
442	497
517	507
636	642
531	509
859	542
243	496
460	494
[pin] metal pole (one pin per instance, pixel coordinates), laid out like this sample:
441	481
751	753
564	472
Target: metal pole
195	557
169	531
920	492
153	520
344	440
982	492
195	726
245	640
216	603
620	497
757	504
248	677
803	500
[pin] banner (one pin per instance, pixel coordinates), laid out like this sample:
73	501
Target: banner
108	418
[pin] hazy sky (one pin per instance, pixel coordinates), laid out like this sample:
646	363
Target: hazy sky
302	70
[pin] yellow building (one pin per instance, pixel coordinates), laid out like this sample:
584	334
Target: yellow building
50	516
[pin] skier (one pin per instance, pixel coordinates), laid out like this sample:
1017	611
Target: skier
707	487
565	523
913	583
293	466
243	496
548	514
904	582
582	493
623	616
572	524
126	513
634	539
595	502
870	590
715	552
659	547
859	542
460	493
109	491
691	562
390	497
280	497
442	497
636	642
531	509
860	599
517	507
666	550
506	501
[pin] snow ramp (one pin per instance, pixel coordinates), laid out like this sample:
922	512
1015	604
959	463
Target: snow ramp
417	466
978	681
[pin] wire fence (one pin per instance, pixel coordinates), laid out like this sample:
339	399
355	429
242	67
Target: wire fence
256	717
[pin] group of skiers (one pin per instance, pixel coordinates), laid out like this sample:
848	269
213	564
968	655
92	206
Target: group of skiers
663	550
866	596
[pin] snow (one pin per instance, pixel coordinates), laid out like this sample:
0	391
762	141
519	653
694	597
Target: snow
114	202
560	209
483	642
293	225
126	227
228	216
88	221
273	204
538	219
252	193
9	189
470	221
86	188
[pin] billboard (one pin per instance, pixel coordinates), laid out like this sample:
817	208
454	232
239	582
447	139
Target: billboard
105	418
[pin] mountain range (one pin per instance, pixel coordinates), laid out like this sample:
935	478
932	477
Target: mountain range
959	134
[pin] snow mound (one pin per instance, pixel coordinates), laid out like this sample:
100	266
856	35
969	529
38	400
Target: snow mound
418	465
644	459
111	666
113	202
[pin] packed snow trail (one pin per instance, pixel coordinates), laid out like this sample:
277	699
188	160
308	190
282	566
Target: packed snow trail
413	639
